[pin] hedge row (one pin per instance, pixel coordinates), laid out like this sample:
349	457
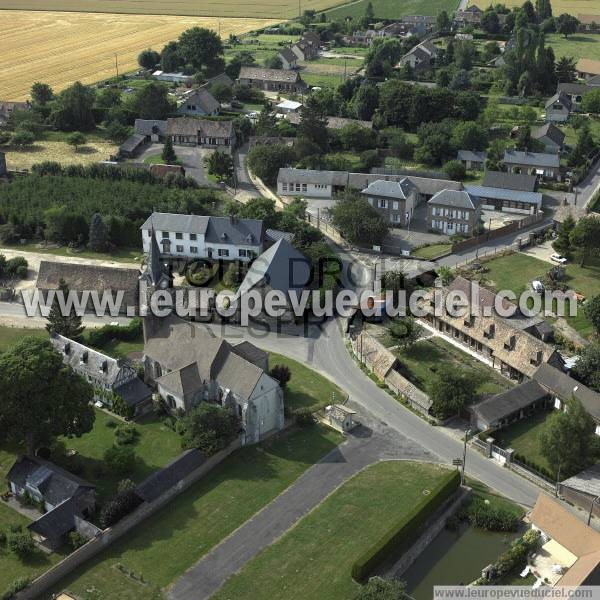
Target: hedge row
100	338
405	531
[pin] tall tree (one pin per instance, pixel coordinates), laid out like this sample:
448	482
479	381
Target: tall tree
148	59
587	367
358	221
443	22
313	124
68	325
221	166
451	390
168	152
73	109
591	310
152	102
566	24
543	9
567	440
41	93
585	237
98	238
202	49
170	58
565	69
562	244
41	397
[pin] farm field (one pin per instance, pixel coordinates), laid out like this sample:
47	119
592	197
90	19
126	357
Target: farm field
573	7
267	9
61	48
577	46
390	9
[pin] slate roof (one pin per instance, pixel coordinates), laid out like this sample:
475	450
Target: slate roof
455	199
56	522
281	268
550	131
483	192
577	89
587	481
472	156
54	483
390	189
169	476
510	181
132	143
533	159
188	126
251	353
274	235
150	127
81	277
565	387
279	75
221	78
336	178
204	99
559	97
288	55
216	230
506	403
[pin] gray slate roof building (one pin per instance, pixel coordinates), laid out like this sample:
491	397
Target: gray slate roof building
390	189
215	229
560	97
148	127
510	181
574	89
471	155
132	144
90	278
276	75
550	131
565	387
222	78
281	268
534	198
288	55
587	481
533	159
188	126
455	199
168	477
499	407
203	99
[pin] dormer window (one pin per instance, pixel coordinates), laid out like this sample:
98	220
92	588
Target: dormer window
490	331
103	366
469	320
84	358
223	236
249	238
67	348
536	359
510	343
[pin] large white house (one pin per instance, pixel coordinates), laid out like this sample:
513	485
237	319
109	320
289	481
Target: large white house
195	236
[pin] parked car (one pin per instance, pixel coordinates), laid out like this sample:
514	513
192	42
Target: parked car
537	286
557	258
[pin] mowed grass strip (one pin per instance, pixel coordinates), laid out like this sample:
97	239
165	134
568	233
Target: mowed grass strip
573	7
306	388
267	9
314	559
11	567
61	48
175	538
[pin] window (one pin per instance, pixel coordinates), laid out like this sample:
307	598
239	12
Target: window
297	187
165	235
179	248
149	233
223	252
382	203
193	237
284	187
304	187
179	236
243	253
396	218
193	249
396	205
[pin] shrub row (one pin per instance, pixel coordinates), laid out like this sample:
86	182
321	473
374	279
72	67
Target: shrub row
100	338
491	518
404	532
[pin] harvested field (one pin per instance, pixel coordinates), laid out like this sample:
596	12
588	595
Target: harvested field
265	9
61	48
573	7
43	150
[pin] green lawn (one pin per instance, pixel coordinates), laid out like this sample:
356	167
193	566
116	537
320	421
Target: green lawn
431	252
131	255
391	9
11	567
323	79
156	446
516	271
576	46
175	538
306	388
11	335
523	437
314	559
420	362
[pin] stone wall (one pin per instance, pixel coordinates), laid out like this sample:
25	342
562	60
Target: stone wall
106	537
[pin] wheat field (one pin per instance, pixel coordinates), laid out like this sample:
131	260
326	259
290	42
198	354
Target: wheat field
61	48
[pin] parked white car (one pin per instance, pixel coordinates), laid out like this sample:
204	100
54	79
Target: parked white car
537	286
557	258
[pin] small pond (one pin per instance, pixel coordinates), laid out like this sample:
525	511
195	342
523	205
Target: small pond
454	558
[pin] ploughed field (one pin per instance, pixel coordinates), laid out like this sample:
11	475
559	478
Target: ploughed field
264	9
60	48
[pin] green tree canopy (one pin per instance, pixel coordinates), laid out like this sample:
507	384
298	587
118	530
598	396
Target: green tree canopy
148	59
41	397
358	221
68	325
202	49
451	390
152	102
73	109
210	428
585	238
587	367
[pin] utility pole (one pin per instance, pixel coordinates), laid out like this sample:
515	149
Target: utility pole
464	460
117	64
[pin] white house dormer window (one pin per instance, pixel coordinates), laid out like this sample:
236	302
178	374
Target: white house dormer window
103	367
84	358
67	348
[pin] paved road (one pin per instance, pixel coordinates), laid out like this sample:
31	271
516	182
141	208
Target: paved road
365	446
